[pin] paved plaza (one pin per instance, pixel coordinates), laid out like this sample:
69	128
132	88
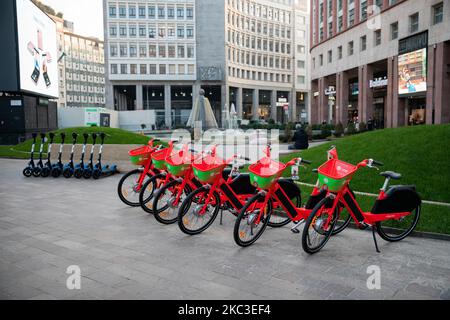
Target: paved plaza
47	225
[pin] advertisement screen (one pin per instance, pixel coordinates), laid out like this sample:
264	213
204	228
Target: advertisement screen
412	68
37	50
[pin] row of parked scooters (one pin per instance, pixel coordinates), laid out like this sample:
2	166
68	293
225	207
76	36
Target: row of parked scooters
81	170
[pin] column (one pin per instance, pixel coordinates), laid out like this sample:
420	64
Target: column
388	106
438	87
323	100
344	14
239	105
398	105
293	106
357	11
335	17
344	91
273	105
255	104
362	93
314	116
139	97
367	98
168	105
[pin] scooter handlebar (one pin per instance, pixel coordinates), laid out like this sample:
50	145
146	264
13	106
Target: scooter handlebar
42	136
86	136
74	135
51	135
34	135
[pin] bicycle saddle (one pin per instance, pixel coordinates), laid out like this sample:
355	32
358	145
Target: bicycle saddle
391	175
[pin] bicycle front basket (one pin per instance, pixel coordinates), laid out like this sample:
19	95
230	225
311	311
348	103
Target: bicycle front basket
208	169
264	174
141	155
159	159
335	173
179	163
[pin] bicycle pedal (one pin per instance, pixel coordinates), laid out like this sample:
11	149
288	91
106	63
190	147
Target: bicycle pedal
296	231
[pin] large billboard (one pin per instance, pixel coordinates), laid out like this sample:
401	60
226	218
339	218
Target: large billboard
37	50
412	68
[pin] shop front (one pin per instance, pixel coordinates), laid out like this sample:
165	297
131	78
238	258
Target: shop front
379	88
264	105
353	101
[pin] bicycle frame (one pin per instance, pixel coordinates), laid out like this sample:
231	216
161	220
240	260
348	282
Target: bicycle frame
148	168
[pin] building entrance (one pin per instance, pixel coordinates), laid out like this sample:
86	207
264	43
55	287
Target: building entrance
416	108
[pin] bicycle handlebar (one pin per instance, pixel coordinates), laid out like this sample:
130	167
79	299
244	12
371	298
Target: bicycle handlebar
377	163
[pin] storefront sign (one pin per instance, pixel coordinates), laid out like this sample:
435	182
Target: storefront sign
379	82
16	103
316	94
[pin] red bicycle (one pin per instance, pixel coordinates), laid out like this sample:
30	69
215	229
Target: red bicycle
223	190
131	183
394	215
266	175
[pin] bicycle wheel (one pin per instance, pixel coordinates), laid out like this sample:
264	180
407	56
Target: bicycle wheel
78	173
194	216
37	172
396	230
68	173
128	188
319	227
279	218
45	173
148	190
165	209
246	230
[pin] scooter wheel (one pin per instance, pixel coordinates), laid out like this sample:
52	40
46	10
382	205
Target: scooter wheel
78	174
37	172
56	173
27	172
97	174
68	173
87	174
45	173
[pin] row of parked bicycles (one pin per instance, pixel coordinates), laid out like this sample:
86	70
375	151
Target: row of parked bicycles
179	185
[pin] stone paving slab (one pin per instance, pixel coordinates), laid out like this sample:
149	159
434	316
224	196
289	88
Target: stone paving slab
47	225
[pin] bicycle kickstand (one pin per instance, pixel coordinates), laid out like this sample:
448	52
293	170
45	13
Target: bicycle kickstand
375	239
221	216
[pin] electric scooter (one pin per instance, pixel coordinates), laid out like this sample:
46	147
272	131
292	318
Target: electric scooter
58	168
47	169
40	165
79	169
70	167
88	171
99	169
28	171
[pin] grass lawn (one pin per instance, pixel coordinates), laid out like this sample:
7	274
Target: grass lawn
421	154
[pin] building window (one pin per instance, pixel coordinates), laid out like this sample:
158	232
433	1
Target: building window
181	53
351	17
190	51
132	12
180	32
133	31
301	64
113	31
112	11
330	56
142	12
133	68
377	36
142	51
151	12
330	29
151	32
152	69
414	23
379	4
162	51
162	69
363	10
363	44
340	52
142	31
190	13
301	49
350	48
438	13
113	50
124	69
122	12
190	32
123	50
123	31
143	69
340	23
152	50
161	12
171	51
180	12
171	13
394	30
321	59
301	79
114	69
133	51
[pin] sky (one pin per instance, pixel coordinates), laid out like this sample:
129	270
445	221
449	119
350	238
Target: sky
87	15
